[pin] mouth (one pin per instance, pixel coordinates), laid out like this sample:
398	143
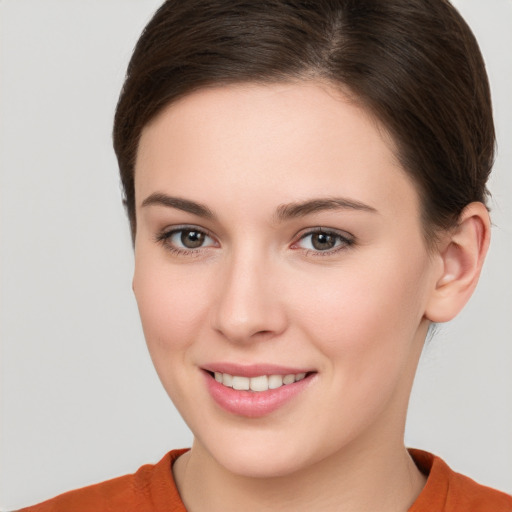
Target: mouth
259	383
259	391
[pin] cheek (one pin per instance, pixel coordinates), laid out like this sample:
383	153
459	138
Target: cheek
172	306
365	324
369	312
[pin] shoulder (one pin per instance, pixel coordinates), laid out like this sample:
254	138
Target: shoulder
449	491
138	492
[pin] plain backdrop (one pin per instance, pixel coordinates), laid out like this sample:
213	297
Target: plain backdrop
80	401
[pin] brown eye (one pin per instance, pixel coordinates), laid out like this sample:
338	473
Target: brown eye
323	241
185	239
192	239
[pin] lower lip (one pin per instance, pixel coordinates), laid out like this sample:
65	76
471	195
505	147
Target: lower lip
253	404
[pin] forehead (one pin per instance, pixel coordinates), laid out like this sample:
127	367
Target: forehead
281	141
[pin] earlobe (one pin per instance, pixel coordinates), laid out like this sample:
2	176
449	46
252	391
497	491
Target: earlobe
462	256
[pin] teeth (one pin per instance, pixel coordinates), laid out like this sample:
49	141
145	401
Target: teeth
289	379
275	381
260	383
227	380
241	383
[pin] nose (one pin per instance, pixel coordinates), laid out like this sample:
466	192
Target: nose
249	306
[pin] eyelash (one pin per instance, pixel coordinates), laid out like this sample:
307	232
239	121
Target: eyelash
346	241
164	237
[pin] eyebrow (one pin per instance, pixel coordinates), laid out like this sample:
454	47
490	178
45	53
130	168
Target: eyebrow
180	204
283	211
303	208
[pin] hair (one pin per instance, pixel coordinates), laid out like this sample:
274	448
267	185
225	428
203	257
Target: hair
413	64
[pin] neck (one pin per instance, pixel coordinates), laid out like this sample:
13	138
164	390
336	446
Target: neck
384	479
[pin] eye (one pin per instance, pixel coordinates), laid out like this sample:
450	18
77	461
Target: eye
322	240
185	239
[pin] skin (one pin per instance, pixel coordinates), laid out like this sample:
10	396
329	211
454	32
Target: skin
258	291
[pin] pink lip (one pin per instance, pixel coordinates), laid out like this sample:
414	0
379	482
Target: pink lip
251	404
253	370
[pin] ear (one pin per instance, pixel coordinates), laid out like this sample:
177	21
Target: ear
462	255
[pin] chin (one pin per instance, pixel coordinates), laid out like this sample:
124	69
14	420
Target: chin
260	458
257	467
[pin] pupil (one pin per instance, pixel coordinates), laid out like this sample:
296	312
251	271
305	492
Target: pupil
192	239
323	241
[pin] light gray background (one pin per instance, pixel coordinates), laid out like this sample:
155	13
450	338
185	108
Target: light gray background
80	401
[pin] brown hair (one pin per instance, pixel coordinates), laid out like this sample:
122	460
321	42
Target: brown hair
414	64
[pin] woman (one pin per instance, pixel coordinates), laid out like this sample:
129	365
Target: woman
306	187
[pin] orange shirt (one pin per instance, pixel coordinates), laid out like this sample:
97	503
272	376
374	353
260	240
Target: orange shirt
448	491
152	489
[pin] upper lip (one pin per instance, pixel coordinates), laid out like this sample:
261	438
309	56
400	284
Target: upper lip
253	370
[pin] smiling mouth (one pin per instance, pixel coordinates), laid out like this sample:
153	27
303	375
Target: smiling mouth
259	391
259	383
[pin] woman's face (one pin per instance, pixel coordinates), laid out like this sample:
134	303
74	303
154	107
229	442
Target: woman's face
279	240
